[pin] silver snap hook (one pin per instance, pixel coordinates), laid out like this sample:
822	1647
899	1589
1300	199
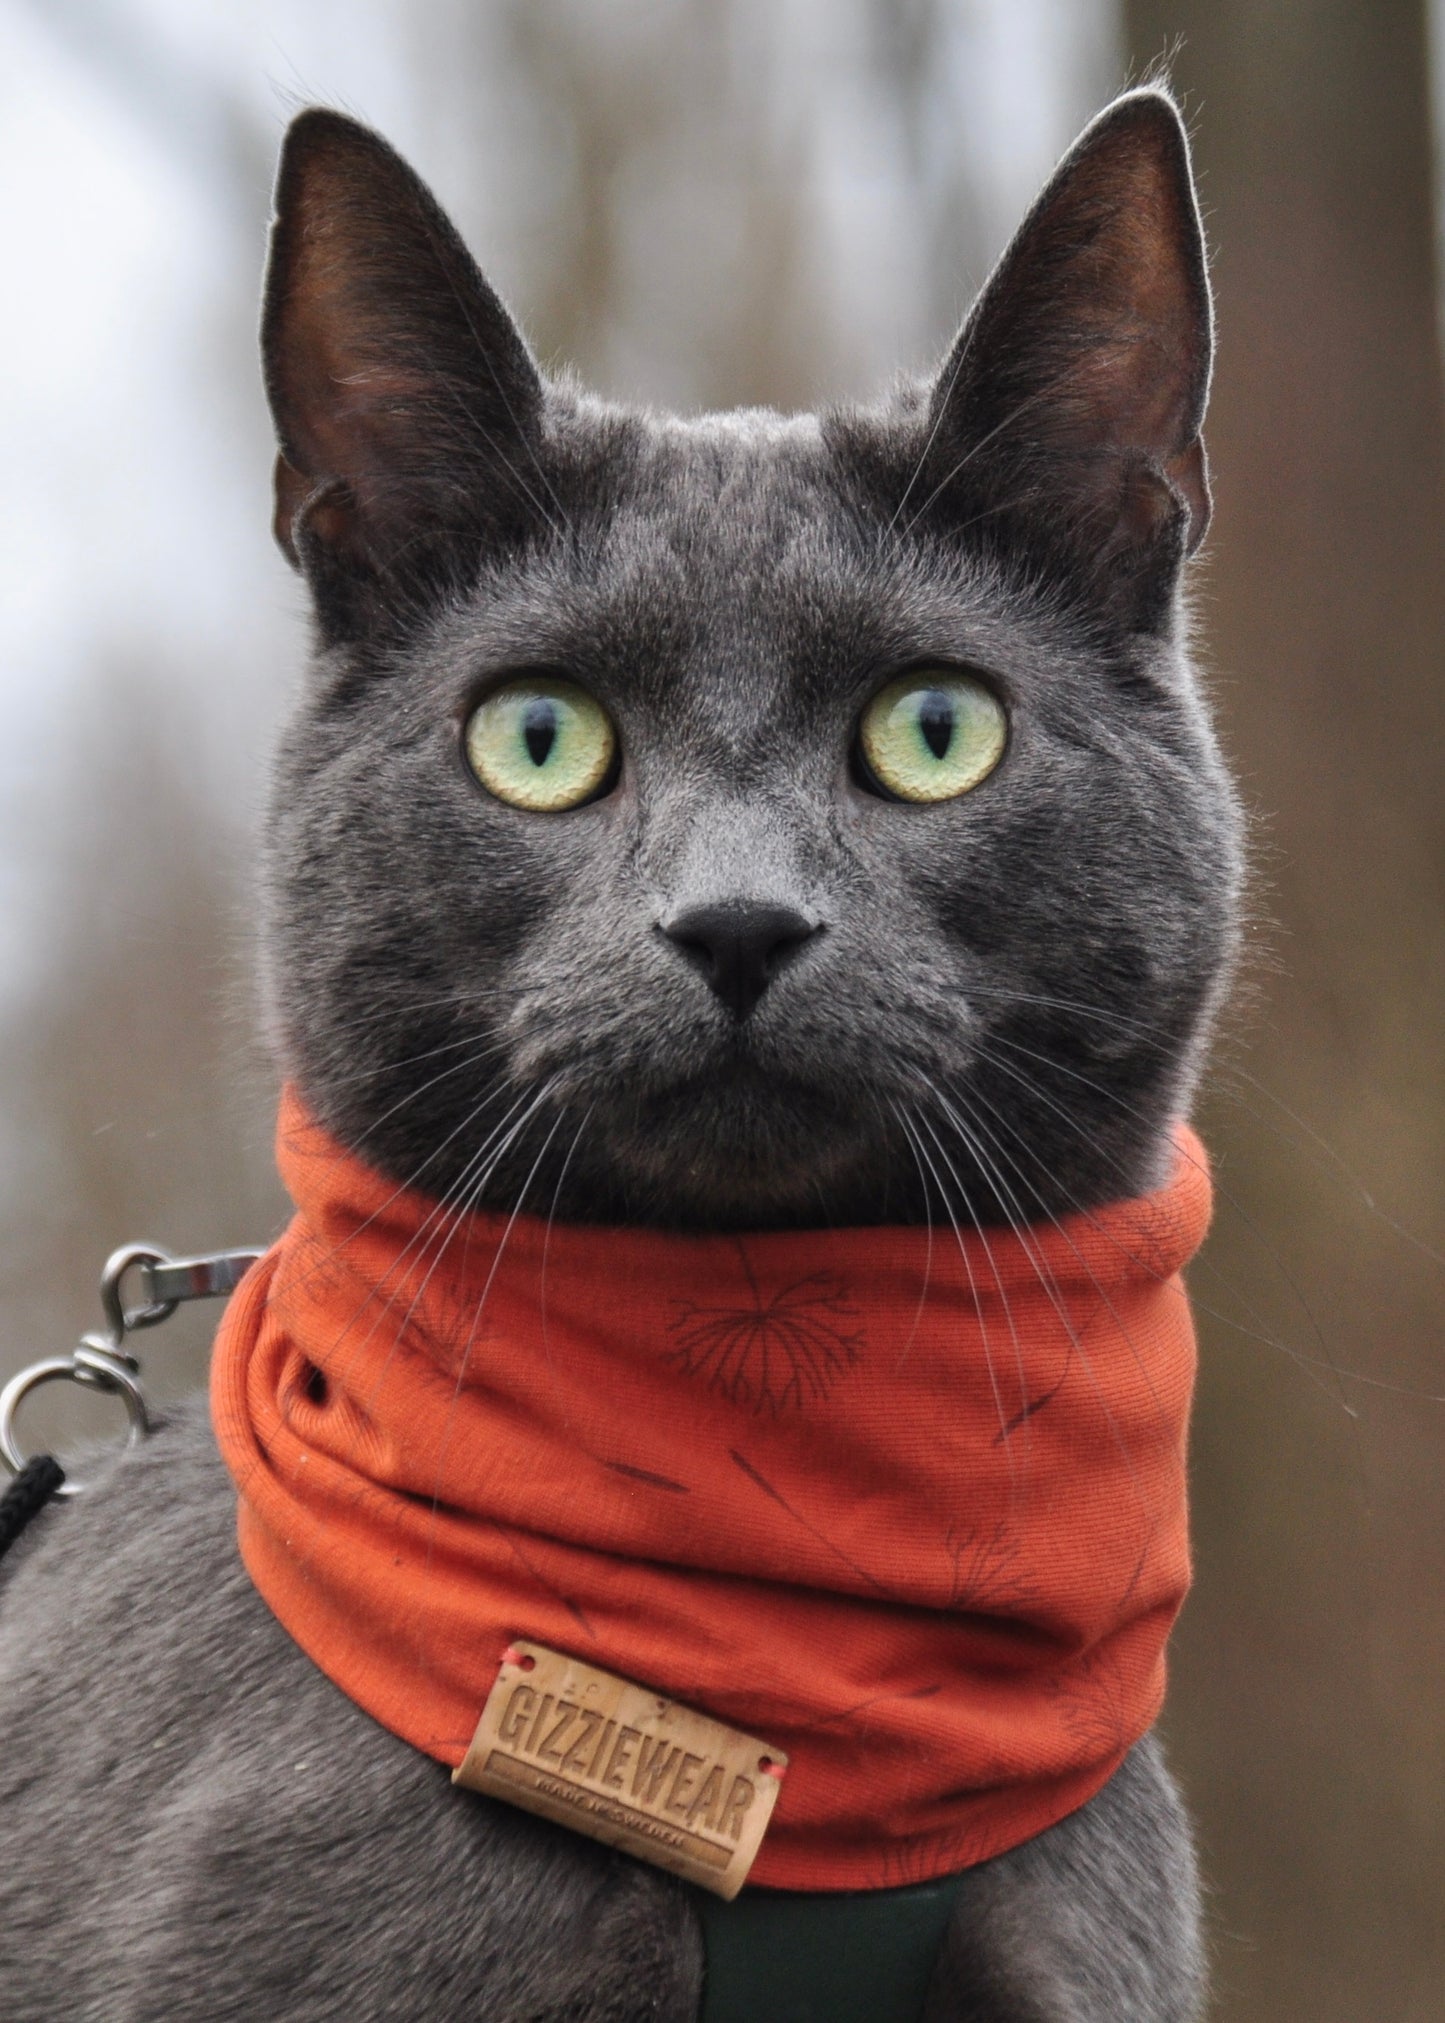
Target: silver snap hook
102	1360
112	1300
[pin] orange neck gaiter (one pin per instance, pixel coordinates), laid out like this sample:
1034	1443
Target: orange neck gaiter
910	1507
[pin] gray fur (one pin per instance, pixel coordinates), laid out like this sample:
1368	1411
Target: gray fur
205	1827
1098	1918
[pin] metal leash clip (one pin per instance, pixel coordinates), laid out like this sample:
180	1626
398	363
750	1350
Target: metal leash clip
102	1360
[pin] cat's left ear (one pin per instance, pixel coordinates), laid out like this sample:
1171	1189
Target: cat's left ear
1065	424
407	405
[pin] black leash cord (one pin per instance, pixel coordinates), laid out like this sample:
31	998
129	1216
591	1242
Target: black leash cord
29	1493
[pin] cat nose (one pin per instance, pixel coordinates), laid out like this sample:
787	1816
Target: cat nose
739	945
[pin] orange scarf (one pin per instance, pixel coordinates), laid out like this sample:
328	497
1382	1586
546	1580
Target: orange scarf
911	1509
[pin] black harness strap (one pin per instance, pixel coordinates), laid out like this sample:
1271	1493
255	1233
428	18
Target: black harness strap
792	1956
31	1490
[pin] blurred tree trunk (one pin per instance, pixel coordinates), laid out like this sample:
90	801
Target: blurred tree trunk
1310	1664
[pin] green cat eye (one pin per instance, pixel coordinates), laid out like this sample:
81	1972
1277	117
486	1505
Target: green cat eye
932	735
541	743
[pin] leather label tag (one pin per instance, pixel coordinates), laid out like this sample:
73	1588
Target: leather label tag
624	1766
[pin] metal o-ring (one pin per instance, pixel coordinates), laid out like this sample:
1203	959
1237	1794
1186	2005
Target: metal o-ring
119	1381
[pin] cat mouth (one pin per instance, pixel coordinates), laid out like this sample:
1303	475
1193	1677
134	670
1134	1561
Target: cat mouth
749	1145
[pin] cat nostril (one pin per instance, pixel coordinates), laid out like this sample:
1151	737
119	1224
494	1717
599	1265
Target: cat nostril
739	945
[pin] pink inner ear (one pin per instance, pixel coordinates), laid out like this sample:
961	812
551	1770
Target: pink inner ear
353	411
349	222
1132	394
333	388
1134	290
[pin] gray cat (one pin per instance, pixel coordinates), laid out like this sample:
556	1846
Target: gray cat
747	956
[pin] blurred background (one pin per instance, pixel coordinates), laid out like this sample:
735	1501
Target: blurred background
704	202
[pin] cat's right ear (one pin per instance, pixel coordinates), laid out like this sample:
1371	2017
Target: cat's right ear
407	405
1065	426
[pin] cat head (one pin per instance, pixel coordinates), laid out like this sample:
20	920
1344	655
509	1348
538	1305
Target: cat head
748	819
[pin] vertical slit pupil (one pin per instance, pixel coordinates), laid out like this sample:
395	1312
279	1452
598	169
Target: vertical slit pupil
936	720
539	729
